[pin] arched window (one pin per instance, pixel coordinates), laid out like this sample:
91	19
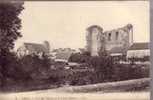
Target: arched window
109	36
117	35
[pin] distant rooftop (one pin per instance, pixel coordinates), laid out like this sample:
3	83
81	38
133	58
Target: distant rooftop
139	46
35	47
117	50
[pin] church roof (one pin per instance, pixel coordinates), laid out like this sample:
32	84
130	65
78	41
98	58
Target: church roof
35	47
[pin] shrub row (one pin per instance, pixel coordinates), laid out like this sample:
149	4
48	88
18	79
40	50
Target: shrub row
32	68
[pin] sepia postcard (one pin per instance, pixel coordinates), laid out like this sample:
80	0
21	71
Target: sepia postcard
75	50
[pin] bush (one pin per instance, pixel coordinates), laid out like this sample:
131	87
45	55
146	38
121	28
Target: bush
35	67
27	68
135	59
10	68
127	71
107	68
103	67
79	57
79	78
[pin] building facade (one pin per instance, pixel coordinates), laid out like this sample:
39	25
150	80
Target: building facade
34	48
138	50
120	38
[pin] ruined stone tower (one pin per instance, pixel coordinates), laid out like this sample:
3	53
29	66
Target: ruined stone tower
95	39
113	40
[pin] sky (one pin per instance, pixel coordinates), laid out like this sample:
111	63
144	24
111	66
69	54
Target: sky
64	24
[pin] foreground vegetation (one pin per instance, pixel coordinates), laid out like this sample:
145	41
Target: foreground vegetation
32	72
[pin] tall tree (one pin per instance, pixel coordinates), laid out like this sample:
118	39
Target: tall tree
10	25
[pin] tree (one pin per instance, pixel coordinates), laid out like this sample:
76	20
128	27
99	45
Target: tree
103	67
10	24
35	67
79	57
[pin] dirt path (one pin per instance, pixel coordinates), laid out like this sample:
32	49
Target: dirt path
46	95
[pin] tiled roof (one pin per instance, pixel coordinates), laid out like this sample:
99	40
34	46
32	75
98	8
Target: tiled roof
36	47
139	46
117	50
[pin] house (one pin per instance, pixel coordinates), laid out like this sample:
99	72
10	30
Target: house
33	48
138	50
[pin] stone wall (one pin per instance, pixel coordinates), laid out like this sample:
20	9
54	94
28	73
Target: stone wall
94	39
121	37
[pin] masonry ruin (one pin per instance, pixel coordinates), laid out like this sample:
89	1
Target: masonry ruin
98	41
